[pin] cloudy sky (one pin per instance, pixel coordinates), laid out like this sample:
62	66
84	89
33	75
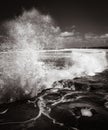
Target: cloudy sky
86	16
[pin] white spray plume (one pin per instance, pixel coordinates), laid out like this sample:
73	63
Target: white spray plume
22	68
33	30
89	62
29	32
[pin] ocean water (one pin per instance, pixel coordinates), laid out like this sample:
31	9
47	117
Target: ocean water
27	72
58	89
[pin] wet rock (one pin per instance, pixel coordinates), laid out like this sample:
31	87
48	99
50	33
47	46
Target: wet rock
73	113
18	111
70	104
64	84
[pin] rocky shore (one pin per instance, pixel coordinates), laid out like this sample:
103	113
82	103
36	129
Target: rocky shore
78	104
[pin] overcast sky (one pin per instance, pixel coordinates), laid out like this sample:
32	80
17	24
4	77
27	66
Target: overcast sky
86	15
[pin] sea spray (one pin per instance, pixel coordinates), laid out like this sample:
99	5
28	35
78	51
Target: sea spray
23	70
32	30
89	62
78	63
20	64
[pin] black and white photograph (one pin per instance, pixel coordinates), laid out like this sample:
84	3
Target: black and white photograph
53	65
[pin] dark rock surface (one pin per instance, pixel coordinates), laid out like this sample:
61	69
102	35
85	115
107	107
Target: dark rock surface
78	104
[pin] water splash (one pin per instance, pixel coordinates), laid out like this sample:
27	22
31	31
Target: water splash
32	30
89	62
20	66
23	70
